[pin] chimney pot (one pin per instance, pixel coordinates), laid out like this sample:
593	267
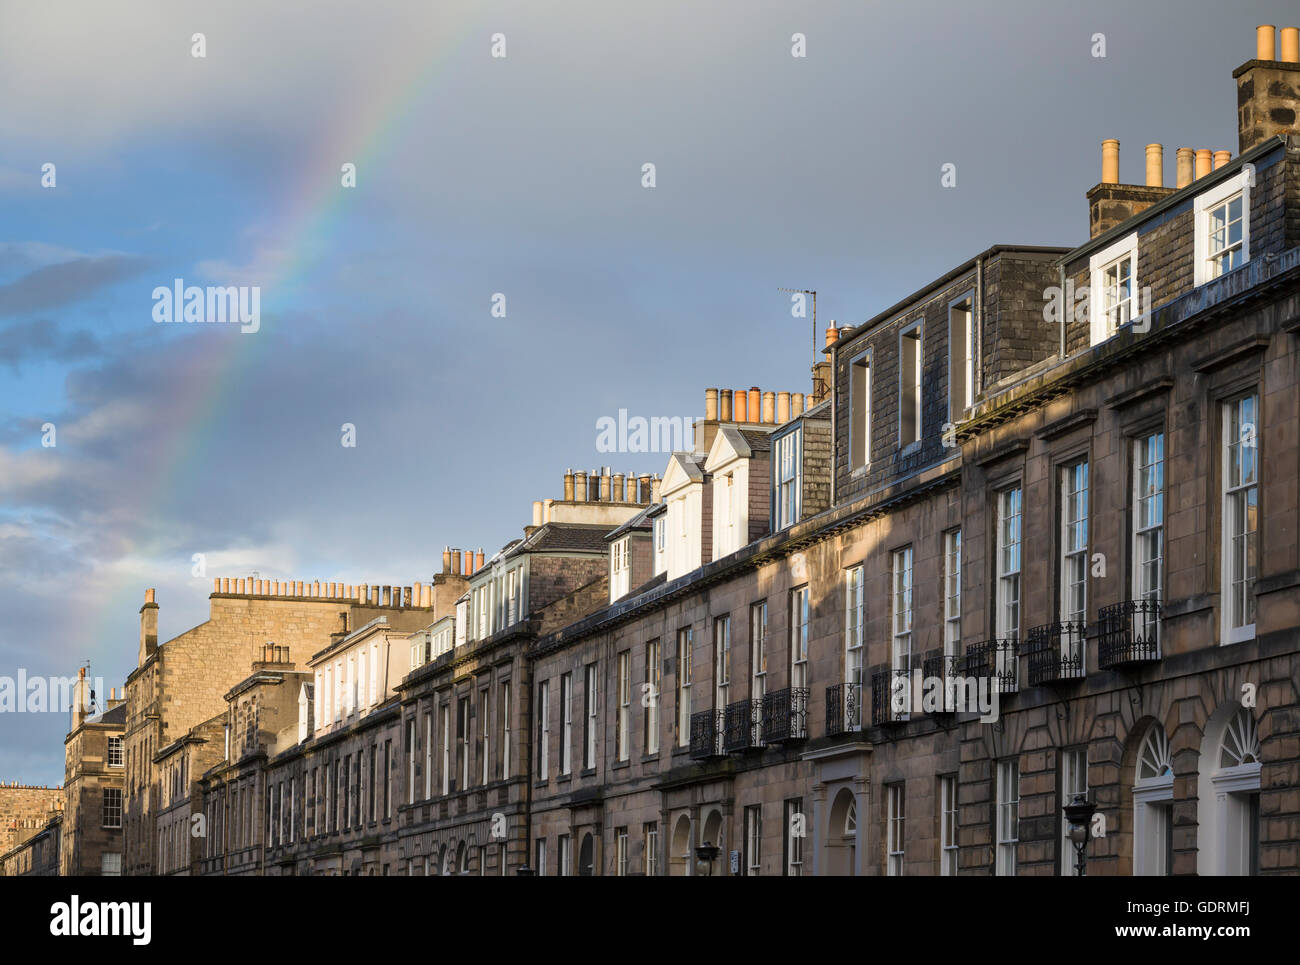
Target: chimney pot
478	560
455	562
1155	165
742	406
1265	42
832	334
1221	158
537	512
446	559
769	408
1186	159
796	405
148	596
654	488
605	487
1110	161
1204	162
1290	45
724	405
782	408
755	400
618	495
710	405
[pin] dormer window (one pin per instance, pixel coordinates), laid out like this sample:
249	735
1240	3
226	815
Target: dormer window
909	387
619	570
786	467
1113	293
1223	228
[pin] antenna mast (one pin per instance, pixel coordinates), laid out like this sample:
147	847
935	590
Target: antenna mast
813	293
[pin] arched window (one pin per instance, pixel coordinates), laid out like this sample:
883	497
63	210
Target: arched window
1228	806
1153	796
1240	741
851	820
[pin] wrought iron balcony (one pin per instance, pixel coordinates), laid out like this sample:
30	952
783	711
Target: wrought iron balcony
706	734
785	715
997	659
1128	633
944	667
742	723
843	709
1055	652
890	697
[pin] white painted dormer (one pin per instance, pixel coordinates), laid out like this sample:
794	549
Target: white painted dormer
686	490
736	462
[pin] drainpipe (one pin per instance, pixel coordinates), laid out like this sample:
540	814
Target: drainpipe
835	353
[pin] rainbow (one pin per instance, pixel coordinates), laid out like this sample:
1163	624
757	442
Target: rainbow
374	127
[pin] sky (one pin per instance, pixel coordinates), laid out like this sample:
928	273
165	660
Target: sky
476	176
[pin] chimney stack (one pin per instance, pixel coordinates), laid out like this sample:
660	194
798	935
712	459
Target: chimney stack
1155	165
1110	161
1268	89
1290	45
148	626
1111	203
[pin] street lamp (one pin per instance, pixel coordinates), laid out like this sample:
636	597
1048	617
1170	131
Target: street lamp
1079	814
705	855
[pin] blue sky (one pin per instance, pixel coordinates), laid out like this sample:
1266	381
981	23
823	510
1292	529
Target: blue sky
475	176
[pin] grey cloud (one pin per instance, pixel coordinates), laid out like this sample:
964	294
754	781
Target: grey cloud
66	283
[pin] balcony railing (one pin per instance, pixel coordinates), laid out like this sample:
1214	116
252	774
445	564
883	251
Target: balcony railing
890	697
998	659
706	734
742	726
843	709
785	715
1128	633
1055	652
945	667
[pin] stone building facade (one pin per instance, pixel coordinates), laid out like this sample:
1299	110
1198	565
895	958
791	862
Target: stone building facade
94	762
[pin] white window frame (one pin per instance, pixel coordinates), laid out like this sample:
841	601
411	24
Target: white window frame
753	840
446	748
787	476
948	851
800	617
652	708
1099	314
1008	816
1010	519
543	729
901	609
1148	522
1206	202
590	692
620	853
566	736
1072	484
685	646
951	594
896	829
854	635
1232	492
625	705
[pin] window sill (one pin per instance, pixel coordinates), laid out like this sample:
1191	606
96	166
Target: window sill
620	765
588	772
564	779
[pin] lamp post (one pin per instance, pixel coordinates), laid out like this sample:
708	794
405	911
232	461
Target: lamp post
1079	814
705	855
